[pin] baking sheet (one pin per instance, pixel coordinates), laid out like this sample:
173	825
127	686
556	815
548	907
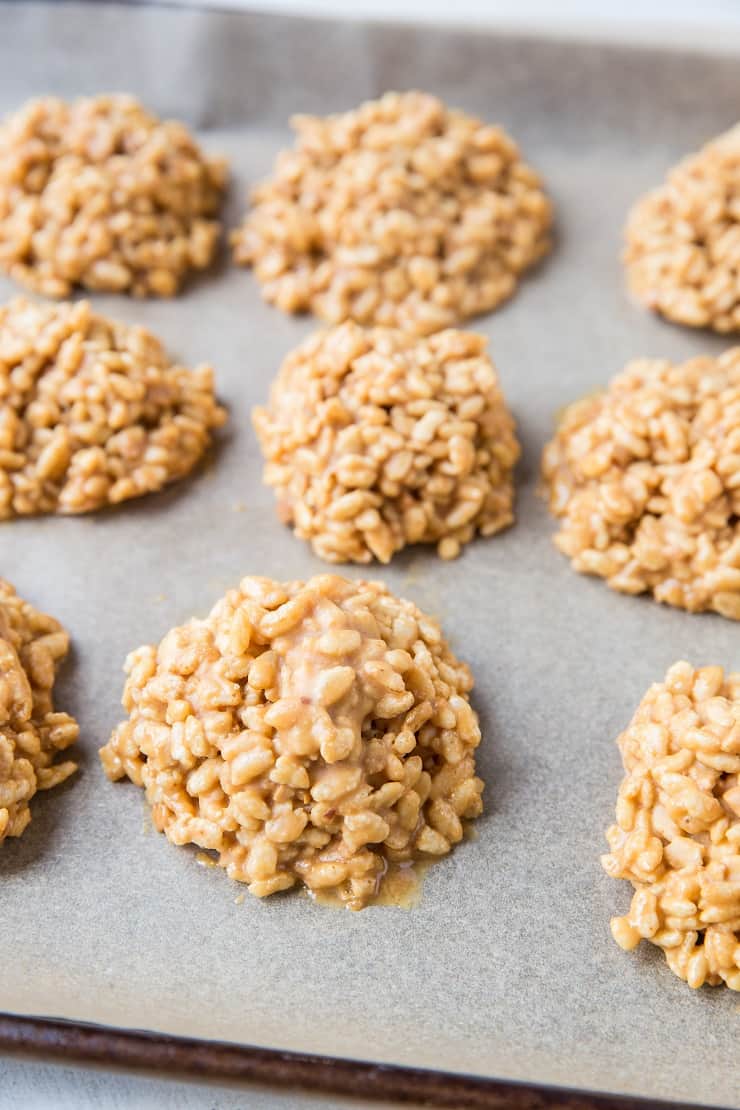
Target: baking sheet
506	968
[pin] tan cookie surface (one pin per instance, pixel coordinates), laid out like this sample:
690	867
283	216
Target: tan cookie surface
92	412
645	481
100	193
309	732
677	833
683	240
32	646
374	439
401	213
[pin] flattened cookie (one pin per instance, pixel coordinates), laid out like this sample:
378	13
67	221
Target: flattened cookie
677	835
402	213
310	732
375	439
32	645
92	411
645	481
99	193
683	240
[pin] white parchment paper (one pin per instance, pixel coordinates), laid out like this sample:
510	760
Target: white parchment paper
507	967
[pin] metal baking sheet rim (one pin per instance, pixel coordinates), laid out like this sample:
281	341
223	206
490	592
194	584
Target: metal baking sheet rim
128	1048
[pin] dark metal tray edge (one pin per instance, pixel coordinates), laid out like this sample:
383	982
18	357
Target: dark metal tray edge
218	1060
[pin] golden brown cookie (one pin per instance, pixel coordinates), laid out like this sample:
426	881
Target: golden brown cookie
100	193
374	439
92	411
644	479
312	732
677	834
683	240
401	213
32	646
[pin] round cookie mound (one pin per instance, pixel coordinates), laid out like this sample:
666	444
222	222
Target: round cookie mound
677	836
32	645
375	439
683	240
92	411
401	213
100	193
309	732
646	482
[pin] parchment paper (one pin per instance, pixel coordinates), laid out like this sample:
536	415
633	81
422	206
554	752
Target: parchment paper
507	967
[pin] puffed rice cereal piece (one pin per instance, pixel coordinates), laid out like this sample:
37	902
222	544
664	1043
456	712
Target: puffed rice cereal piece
402	213
677	835
32	646
92	411
311	732
100	193
683	240
374	439
645	480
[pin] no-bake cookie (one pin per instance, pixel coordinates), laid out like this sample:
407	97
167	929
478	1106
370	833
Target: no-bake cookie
677	833
100	193
374	439
683	240
92	411
32	646
306	732
644	479
402	213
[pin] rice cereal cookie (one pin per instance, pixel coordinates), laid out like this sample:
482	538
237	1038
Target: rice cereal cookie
645	481
402	213
92	412
683	240
32	646
100	193
677	834
374	439
313	732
